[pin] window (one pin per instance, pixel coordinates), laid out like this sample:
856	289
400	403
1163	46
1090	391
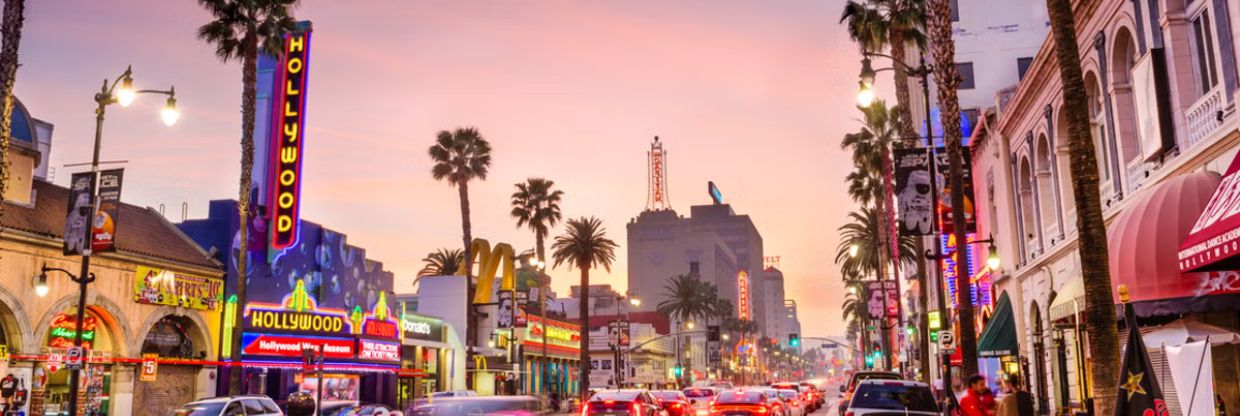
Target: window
1203	48
965	71
253	407
1022	66
955	4
971	116
695	268
234	409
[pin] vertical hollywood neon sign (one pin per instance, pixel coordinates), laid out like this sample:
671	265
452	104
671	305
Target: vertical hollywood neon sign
287	138
742	294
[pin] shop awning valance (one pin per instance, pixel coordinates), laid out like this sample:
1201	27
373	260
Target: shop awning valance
999	337
1069	301
1214	239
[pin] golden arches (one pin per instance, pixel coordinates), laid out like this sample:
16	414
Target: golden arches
489	262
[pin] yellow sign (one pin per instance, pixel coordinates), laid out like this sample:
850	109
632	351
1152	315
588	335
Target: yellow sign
165	287
150	366
4	352
489	262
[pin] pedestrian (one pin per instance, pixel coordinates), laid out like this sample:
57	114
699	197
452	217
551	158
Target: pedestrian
1017	402
972	404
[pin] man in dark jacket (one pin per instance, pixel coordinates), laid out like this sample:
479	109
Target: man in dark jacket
1017	402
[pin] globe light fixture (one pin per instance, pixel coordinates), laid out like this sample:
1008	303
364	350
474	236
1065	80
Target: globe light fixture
865	95
170	114
635	301
992	260
125	94
852	250
40	284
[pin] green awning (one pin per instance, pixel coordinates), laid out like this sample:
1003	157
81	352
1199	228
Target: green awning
999	337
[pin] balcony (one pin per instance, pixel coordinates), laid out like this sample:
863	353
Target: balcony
1205	115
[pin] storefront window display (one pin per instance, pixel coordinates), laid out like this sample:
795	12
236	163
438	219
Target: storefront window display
50	386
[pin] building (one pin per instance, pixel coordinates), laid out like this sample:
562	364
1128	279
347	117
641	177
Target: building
773	281
321	292
791	319
1161	87
155	293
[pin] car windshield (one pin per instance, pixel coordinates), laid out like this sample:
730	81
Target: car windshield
614	396
199	409
699	393
895	397
729	397
667	395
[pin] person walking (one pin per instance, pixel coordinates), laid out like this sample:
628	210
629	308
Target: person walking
974	402
1017	402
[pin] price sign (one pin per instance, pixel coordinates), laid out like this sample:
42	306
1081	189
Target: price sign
150	366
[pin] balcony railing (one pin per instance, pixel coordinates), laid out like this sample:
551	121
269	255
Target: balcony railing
1205	115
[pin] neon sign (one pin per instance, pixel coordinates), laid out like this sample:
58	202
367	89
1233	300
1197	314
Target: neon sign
379	351
287	138
298	312
64	327
292	346
979	285
742	290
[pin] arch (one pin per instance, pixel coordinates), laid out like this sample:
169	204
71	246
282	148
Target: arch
1045	183
1123	58
1097	125
16	324
199	334
105	309
1024	186
1064	164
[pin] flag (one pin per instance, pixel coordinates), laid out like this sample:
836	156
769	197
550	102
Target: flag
1138	393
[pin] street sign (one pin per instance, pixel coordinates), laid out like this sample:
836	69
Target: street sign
150	366
947	342
73	358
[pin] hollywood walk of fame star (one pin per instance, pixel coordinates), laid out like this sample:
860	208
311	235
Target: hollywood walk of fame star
1133	385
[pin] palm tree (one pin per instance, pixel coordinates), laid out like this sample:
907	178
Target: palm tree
442	262
943	50
687	298
858	236
240	30
537	206
889	24
10	39
460	156
584	245
1099	306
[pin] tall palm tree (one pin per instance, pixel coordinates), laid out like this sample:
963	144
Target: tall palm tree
584	245
860	232
1099	306
241	29
442	262
537	206
10	39
461	156
687	298
946	79
895	25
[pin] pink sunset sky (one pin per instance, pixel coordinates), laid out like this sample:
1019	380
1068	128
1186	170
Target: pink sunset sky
752	95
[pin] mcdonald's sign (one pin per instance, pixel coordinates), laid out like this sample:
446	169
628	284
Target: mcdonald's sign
489	263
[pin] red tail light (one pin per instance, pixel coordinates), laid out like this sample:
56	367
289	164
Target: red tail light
848	413
637	409
762	410
585	409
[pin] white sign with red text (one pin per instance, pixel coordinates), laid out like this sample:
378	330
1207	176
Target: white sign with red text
378	351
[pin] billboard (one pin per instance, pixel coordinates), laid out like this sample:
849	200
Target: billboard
164	287
913	191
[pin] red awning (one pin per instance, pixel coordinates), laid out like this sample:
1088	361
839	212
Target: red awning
1142	239
1214	239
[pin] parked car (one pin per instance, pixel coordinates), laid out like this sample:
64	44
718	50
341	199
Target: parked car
740	402
857	377
230	406
793	401
622	402
876	396
473	405
700	398
673	402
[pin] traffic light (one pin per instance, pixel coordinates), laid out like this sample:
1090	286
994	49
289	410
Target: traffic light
934	336
712	333
910	330
794	340
678	371
869	361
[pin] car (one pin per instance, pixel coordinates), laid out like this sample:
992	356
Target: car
793	401
816	396
774	403
250	405
622	402
875	397
847	389
700	398
444	394
474	405
740	402
674	402
801	391
361	410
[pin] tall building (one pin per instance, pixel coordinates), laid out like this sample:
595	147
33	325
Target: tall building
776	324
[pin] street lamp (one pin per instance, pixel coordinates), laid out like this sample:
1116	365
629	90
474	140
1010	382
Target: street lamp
689	324
637	302
852	250
992	259
865	95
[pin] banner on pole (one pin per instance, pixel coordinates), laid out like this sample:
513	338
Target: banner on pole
103	229
913	191
81	187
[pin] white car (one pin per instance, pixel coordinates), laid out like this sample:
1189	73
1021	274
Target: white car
254	405
793	400
700	398
874	397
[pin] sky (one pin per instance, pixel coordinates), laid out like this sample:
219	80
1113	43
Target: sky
752	95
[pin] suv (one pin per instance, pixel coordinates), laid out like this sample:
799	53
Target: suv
252	405
858	377
885	397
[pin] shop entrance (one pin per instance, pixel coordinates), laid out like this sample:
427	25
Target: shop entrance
172	337
50	387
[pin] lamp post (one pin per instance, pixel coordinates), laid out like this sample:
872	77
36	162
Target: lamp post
118	91
622	325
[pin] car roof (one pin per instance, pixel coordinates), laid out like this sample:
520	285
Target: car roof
891	382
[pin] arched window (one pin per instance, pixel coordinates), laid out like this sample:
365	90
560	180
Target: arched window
1123	57
1097	127
1046	187
1025	185
1063	161
170	337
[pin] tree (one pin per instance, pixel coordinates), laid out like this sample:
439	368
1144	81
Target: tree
861	232
584	245
442	262
1099	306
461	156
240	30
11	31
537	206
688	297
889	24
943	50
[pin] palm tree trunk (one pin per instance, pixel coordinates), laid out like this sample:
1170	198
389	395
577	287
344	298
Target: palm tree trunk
249	94
901	80
945	76
11	30
923	323
584	314
471	319
1099	306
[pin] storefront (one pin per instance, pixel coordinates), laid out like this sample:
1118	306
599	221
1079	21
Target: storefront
556	369
423	354
997	348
